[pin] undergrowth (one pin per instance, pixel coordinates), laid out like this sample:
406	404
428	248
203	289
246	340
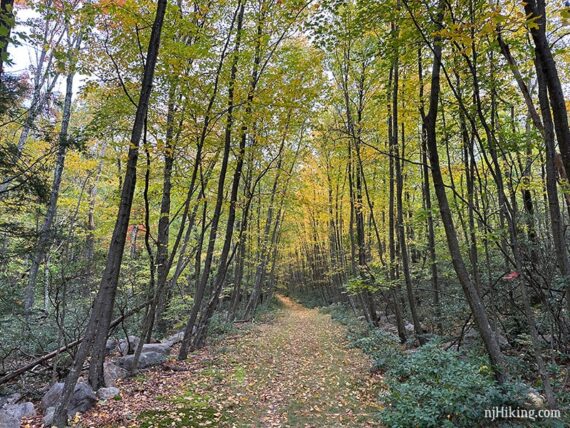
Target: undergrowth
431	386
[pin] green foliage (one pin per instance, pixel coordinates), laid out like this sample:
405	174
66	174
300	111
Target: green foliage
384	348
357	285
176	313
219	326
433	387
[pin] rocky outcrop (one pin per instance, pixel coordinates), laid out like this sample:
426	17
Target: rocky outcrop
48	416
147	359
107	393
174	339
11	414
472	339
112	373
83	398
8	421
128	345
9	399
161	348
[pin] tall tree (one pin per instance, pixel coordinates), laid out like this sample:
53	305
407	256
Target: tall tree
98	326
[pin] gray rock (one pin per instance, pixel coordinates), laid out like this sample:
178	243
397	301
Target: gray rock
48	416
11	414
8	421
107	393
147	359
9	399
22	410
126	347
174	339
52	395
83	398
471	338
503	342
112	372
451	345
111	345
162	348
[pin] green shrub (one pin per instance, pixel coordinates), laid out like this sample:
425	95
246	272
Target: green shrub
383	347
219	326
433	387
430	386
177	312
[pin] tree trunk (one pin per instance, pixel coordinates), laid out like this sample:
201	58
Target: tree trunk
536	9
477	308
205	275
399	203
223	263
556	223
100	318
44	239
427	204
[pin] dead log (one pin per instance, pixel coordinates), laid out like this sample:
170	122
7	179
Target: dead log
49	356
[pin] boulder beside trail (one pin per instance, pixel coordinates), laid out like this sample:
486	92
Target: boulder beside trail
147	359
9	399
8	421
48	416
11	414
534	399
83	398
472	339
128	345
174	339
112	372
111	345
107	393
161	348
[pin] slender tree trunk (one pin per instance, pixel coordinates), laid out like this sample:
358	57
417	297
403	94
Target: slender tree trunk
403	247
205	274
162	241
90	226
428	206
44	239
556	223
223	263
99	320
148	319
477	308
536	9
265	247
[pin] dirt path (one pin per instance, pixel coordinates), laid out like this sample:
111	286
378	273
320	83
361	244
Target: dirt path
296	371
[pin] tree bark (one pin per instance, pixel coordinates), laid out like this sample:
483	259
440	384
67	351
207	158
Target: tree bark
100	318
205	274
477	308
536	10
45	233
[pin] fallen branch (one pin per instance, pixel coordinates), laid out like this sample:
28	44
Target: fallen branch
71	345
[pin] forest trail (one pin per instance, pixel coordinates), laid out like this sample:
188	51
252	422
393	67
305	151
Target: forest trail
296	371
